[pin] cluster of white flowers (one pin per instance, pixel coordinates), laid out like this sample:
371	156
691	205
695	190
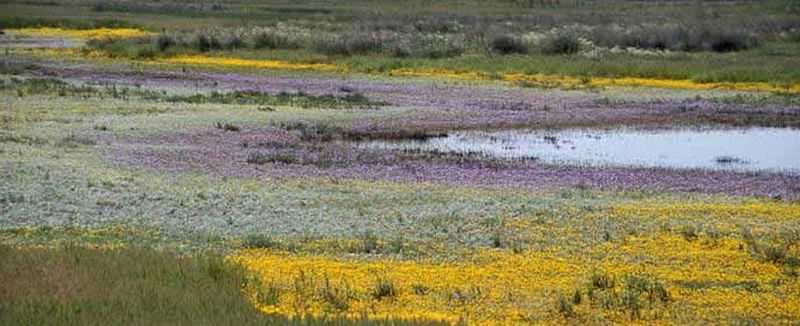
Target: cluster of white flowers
591	50
588	48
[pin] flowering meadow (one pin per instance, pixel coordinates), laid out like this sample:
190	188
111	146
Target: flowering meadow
211	164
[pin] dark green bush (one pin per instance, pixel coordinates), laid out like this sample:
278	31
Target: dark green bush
561	44
163	42
205	43
508	44
272	40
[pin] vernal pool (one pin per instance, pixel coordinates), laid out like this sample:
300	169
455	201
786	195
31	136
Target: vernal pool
741	149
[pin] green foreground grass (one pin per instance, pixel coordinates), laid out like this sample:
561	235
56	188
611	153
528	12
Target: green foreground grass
71	285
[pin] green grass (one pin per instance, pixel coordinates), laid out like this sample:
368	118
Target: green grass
774	62
71	285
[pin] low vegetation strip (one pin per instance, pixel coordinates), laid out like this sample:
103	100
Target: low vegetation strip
61	88
64	23
527	80
247	63
537	80
102	32
570	82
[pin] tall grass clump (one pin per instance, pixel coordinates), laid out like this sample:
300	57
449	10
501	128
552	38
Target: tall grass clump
384	289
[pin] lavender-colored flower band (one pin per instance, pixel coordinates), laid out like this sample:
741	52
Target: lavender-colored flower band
438	107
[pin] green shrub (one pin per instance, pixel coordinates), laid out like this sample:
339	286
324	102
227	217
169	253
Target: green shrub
205	43
508	44
730	41
274	40
561	43
264	158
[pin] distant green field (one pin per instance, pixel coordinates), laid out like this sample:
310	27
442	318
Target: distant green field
702	41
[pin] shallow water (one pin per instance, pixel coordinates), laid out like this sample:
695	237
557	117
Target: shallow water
741	149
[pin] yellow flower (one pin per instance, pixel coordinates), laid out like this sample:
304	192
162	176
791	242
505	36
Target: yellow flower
706	280
540	80
83	33
248	63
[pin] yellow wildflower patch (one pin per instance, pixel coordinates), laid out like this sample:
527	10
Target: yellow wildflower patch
247	63
71	53
689	84
703	279
756	209
544	80
492	287
82	33
467	75
676	259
